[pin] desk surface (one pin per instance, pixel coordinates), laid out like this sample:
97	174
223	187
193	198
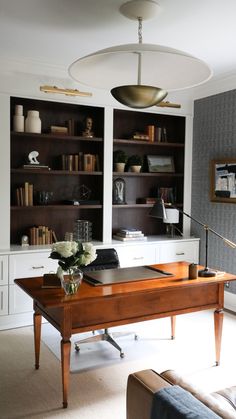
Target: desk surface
56	297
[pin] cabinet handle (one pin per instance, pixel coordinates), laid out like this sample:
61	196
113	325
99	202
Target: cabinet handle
1	278
180	253
1	300
38	267
138	258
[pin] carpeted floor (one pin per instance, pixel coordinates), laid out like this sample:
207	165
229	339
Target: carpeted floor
98	389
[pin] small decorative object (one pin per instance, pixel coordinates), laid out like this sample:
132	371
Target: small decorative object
192	271
24	241
83	231
32	157
18	119
44	197
119	160
33	122
119	191
88	128
71	255
223	176
161	164
135	163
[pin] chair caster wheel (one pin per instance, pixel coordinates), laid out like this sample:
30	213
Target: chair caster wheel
135	337
122	355
77	348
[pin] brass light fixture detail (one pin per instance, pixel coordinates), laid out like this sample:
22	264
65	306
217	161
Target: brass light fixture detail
67	92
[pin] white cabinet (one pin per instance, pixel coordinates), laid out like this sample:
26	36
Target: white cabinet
3	285
24	266
136	255
179	251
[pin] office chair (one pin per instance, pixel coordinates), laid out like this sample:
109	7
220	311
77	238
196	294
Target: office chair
106	259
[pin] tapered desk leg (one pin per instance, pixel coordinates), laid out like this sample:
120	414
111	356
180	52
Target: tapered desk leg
173	324
65	369
37	337
218	323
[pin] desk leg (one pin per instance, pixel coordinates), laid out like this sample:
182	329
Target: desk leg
37	338
173	324
218	323
65	368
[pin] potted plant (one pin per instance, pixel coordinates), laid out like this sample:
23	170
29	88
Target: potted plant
119	160
135	163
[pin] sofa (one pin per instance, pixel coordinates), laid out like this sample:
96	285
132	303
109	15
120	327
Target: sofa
142	386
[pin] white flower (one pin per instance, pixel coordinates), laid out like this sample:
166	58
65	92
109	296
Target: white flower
66	248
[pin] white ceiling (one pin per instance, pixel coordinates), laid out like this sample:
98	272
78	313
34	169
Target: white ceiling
56	32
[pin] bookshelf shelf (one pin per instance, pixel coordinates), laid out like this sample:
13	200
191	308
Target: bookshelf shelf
148	144
55	172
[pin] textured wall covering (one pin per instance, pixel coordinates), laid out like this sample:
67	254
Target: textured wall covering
214	136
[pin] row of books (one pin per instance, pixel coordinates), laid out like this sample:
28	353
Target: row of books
24	195
80	161
129	234
68	129
41	235
154	134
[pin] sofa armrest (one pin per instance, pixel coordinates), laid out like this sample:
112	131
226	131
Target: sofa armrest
140	389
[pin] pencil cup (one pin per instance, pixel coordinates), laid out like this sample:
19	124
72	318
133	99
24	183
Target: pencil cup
192	271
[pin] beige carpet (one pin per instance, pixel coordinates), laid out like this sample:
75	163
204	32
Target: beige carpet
100	392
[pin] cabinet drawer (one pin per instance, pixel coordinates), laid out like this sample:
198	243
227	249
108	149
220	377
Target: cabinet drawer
19	301
3	300
30	265
136	255
3	270
176	252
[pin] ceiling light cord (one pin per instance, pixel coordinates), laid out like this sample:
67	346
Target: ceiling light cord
140	40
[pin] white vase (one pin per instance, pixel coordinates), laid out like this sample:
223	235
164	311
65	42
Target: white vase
33	122
18	119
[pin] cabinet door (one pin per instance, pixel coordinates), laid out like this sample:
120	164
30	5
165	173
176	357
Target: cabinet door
176	252
3	300
30	265
19	301
3	270
136	255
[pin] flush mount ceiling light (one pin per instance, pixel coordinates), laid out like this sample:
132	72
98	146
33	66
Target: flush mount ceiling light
140	75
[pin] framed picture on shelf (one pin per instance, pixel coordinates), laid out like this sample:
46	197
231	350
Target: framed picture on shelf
160	164
223	180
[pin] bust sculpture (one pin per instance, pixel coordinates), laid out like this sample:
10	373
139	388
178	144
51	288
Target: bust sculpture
88	128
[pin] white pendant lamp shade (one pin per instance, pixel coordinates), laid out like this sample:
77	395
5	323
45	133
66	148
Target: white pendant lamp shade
164	67
140	75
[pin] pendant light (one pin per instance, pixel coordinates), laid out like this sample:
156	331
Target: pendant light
140	75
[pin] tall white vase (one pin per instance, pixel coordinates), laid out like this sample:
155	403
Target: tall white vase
18	119
33	122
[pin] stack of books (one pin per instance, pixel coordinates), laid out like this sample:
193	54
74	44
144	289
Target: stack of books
129	234
24	195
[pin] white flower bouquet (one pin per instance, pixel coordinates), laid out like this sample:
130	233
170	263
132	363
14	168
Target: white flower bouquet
73	254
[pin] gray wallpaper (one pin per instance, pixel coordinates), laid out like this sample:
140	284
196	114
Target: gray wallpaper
214	136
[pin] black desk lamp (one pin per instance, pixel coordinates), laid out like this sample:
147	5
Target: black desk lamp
158	211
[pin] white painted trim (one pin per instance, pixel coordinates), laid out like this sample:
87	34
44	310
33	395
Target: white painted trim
230	301
107	171
188	173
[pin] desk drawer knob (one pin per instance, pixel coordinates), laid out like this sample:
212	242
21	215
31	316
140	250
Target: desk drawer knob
38	267
180	254
138	258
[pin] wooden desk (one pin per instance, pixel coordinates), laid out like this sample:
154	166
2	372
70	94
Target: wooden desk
113	305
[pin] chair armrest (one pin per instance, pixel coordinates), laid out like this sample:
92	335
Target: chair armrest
140	389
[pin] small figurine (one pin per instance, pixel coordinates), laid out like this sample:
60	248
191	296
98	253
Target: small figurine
88	128
24	241
32	157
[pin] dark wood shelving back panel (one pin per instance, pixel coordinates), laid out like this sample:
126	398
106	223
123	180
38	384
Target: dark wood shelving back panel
126	123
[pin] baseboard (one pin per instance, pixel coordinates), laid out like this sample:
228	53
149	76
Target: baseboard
230	301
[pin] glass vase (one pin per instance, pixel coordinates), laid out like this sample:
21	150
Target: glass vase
70	279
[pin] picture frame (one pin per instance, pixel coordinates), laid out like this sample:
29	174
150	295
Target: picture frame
160	164
223	180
